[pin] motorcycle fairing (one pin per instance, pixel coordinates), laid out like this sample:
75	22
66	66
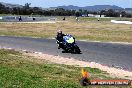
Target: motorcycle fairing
68	39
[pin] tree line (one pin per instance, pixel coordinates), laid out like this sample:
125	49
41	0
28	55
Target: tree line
27	10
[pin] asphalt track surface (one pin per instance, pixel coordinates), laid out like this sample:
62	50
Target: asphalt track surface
115	55
27	19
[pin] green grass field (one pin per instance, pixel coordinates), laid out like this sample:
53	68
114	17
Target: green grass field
83	30
1	20
18	71
21	71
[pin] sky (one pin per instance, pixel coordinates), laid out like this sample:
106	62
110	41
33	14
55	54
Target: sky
81	3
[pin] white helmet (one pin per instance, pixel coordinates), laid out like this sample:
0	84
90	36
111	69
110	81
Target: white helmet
59	32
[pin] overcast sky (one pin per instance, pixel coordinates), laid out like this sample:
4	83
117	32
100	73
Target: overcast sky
54	3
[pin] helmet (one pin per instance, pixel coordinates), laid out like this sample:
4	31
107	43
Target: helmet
59	32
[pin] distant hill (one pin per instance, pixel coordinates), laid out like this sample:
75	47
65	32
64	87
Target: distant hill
72	7
11	5
90	8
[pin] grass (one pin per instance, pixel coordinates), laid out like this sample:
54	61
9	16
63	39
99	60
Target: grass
20	71
1	20
95	19
91	30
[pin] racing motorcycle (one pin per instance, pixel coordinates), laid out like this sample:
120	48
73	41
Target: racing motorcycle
69	45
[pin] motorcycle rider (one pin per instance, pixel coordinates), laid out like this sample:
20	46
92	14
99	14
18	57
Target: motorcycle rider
66	42
59	38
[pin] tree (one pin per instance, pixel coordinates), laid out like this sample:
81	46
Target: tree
110	13
27	6
26	10
73	12
123	13
2	8
78	14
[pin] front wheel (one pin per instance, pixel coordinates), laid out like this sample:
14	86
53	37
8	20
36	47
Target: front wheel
77	50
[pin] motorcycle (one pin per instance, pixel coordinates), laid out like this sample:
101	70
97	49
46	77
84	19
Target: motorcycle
69	45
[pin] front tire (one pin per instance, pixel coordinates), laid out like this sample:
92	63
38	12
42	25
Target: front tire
77	50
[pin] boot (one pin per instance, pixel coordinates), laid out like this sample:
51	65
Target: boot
58	46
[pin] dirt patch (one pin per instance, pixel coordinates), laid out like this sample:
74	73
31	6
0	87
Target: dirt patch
114	72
